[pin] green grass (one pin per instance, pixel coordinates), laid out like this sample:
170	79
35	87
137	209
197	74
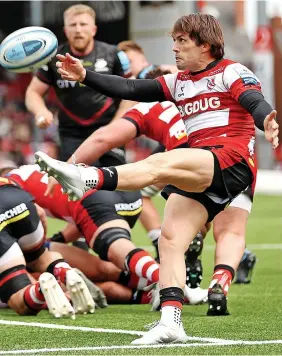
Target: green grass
256	309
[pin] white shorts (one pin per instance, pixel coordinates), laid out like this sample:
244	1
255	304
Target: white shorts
242	201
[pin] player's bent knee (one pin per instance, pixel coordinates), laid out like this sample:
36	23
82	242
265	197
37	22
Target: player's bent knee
106	237
12	280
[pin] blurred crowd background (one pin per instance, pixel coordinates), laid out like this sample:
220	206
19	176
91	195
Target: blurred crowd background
253	36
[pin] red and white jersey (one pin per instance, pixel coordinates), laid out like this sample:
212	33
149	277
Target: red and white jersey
30	179
208	103
158	121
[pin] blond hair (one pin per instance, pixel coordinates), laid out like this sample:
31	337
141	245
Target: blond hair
79	9
129	45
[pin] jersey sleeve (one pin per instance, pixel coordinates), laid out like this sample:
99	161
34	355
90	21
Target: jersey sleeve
122	65
168	83
238	79
45	74
136	114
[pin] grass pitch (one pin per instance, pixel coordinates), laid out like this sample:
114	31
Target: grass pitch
254	326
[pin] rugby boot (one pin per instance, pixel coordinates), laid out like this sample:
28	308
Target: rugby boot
80	295
245	268
217	301
56	300
75	179
194	269
161	333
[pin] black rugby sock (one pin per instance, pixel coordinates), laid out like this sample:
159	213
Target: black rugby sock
108	178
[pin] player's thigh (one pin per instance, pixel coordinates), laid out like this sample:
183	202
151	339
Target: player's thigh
185	159
104	208
190	169
13	276
232	220
183	218
10	252
20	220
29	233
129	206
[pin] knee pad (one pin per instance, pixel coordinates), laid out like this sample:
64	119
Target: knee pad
104	240
33	255
12	280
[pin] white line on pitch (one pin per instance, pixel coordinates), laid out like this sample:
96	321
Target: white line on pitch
126	347
98	330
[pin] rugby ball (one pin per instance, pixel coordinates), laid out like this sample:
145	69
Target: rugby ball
27	49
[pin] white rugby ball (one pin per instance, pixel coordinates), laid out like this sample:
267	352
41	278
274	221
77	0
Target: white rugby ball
27	49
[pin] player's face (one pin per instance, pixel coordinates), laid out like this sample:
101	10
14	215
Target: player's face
137	61
80	30
187	54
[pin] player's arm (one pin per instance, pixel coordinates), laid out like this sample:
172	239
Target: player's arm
263	114
145	90
115	134
245	87
34	101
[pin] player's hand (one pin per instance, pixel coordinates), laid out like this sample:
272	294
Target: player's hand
271	128
52	182
44	119
70	68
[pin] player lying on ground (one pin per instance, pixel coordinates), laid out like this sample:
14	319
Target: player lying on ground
219	101
105	220
22	242
119	287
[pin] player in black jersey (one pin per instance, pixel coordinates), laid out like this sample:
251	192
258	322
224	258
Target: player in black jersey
81	110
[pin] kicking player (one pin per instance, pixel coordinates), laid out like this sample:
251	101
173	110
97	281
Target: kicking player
219	101
22	238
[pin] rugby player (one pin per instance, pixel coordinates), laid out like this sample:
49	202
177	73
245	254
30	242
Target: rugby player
106	224
219	101
22	243
80	110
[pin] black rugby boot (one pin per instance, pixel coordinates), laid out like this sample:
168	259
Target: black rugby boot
217	301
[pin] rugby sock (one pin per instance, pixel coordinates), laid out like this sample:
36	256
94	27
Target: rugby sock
34	298
140	297
154	235
171	300
59	269
140	263
223	275
130	280
108	178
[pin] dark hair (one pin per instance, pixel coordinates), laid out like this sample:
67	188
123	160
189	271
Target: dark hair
156	72
202	28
